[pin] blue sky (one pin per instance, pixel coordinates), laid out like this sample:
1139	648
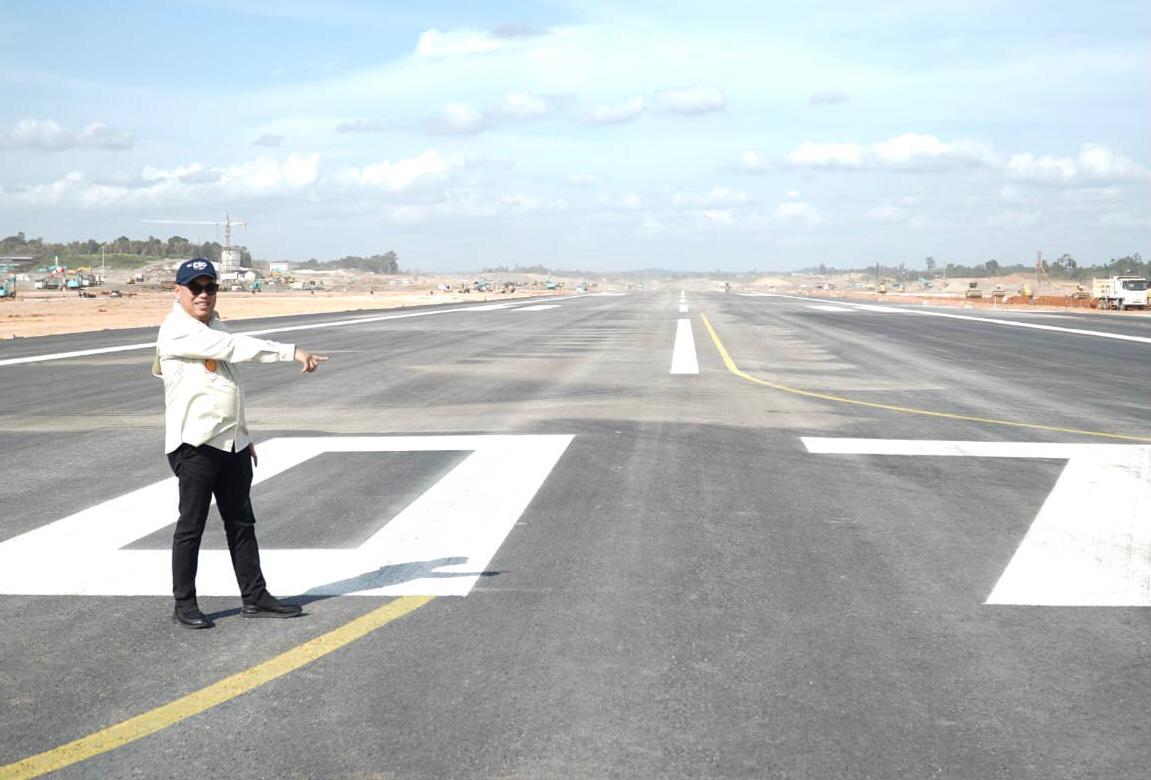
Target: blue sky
586	134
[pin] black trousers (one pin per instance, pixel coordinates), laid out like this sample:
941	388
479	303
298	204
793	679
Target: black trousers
204	472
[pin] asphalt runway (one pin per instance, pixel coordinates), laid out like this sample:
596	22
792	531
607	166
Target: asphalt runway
856	541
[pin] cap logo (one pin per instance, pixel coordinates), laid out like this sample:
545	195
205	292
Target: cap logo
199	265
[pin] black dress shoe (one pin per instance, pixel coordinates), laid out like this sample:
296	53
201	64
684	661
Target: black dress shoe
191	618
270	607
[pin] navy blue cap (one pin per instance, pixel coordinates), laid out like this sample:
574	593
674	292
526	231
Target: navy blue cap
196	267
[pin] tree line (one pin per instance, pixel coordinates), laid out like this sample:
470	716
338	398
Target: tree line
151	249
148	249
1063	267
387	263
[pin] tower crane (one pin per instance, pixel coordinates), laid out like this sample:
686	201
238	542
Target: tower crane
228	224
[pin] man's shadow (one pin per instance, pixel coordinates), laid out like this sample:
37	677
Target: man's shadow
392	574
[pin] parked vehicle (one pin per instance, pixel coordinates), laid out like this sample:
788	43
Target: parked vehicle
1120	292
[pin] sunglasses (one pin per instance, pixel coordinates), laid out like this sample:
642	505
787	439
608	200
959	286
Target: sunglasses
196	288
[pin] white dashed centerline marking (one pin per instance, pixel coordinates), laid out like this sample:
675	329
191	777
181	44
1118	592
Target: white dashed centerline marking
683	359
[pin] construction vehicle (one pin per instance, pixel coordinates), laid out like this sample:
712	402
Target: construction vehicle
973	290
1120	292
74	280
8	289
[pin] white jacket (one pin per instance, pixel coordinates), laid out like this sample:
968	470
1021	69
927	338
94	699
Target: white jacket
203	398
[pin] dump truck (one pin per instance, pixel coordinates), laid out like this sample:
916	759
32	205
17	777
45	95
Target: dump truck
1120	292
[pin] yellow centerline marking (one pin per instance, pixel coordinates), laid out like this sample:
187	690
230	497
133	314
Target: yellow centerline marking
733	368
204	699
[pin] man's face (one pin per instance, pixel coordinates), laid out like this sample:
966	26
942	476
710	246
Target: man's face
195	298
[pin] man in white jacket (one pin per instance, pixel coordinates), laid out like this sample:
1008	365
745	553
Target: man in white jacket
207	442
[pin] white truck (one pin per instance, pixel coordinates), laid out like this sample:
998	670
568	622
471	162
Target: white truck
1120	292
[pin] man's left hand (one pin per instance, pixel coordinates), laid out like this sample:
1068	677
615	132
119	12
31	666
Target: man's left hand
308	360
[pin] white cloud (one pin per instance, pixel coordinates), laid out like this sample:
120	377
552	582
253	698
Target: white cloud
453	43
267	176
798	211
717	196
613	115
202	176
751	162
1094	163
698	99
520	105
830	98
1013	220
826	155
465	119
910	151
1127	219
583	179
403	174
458	119
628	201
361	126
48	135
520	202
719	217
155	187
917	150
887	213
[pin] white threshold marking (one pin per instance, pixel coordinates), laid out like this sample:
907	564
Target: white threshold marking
683	359
262	332
683	308
1090	544
539	307
987	320
439	545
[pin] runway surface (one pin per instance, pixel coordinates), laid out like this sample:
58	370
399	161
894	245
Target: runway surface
655	534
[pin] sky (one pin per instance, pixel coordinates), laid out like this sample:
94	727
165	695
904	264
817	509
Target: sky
580	134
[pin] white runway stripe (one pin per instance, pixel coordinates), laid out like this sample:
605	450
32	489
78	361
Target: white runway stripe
439	545
1090	544
683	359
